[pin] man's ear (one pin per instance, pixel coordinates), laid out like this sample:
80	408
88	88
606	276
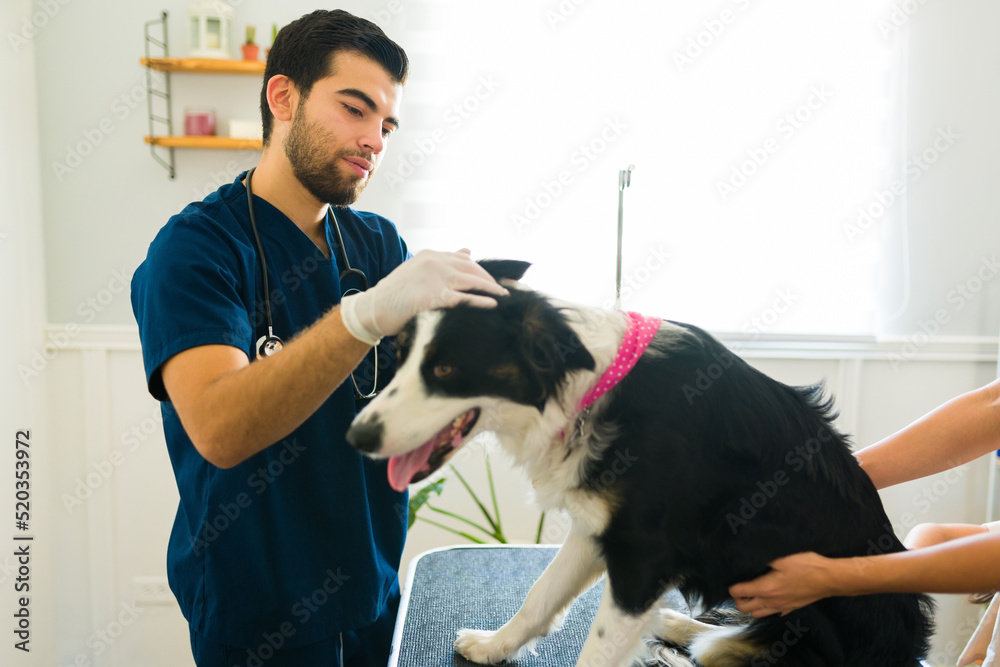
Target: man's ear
505	269
282	96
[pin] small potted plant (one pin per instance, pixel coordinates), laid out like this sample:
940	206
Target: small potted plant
250	48
274	36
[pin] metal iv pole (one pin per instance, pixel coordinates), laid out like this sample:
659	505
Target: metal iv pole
624	180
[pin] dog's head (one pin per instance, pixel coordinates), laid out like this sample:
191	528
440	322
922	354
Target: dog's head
458	362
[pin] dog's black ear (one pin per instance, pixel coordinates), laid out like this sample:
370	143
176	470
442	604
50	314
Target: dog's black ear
551	348
500	269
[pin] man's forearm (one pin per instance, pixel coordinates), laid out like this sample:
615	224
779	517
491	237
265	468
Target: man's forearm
244	411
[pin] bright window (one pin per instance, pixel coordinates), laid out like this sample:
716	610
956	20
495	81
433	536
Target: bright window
765	138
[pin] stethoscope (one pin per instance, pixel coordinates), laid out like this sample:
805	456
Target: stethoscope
269	344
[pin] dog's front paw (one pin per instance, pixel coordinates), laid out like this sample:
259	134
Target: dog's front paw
485	647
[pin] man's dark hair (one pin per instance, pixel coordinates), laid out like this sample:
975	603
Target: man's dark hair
304	51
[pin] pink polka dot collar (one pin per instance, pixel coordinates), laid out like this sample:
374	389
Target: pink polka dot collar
640	332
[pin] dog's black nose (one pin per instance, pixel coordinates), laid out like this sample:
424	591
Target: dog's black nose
366	436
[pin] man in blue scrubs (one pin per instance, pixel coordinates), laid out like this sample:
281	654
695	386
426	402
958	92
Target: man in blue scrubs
286	545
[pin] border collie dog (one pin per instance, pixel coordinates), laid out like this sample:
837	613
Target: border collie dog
679	465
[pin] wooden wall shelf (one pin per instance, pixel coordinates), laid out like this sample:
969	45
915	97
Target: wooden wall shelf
159	89
226	143
204	66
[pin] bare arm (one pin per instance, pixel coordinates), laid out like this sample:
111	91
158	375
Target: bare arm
965	565
957	432
232	409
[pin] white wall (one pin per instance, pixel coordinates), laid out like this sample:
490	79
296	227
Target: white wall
66	237
22	404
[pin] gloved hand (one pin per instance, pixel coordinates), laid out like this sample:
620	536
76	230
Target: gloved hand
429	280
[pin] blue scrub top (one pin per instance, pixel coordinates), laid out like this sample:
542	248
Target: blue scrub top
303	539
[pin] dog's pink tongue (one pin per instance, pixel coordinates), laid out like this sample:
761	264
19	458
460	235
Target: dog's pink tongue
402	468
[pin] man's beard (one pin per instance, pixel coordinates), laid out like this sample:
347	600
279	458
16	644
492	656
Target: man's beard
319	171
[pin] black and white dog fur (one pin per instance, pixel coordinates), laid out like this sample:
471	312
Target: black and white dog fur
695	472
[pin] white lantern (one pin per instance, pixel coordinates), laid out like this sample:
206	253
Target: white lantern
210	22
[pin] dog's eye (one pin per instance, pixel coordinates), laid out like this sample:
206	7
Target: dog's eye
443	370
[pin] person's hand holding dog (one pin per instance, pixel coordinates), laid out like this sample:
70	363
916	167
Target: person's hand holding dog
793	582
429	280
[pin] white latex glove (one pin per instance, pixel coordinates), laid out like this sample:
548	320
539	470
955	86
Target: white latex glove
429	280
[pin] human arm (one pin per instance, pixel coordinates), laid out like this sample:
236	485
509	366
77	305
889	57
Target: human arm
955	433
966	565
232	408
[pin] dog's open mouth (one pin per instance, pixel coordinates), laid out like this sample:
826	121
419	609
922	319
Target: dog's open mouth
424	460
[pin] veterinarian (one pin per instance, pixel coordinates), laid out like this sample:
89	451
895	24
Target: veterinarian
286	544
951	558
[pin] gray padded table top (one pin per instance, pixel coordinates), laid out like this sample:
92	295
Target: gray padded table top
482	587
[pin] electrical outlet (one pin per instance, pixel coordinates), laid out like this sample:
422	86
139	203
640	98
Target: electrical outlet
152	591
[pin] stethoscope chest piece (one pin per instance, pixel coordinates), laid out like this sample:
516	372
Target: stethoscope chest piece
268	345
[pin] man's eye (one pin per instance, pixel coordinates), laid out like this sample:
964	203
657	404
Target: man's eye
353	111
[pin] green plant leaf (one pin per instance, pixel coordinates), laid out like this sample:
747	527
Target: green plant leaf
421	497
493	534
493	493
472	493
452	530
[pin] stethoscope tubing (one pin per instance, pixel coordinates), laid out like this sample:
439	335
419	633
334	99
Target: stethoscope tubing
347	269
270	343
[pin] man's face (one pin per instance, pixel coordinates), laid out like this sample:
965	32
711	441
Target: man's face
341	130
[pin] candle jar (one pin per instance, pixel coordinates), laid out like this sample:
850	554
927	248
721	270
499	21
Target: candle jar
199	122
